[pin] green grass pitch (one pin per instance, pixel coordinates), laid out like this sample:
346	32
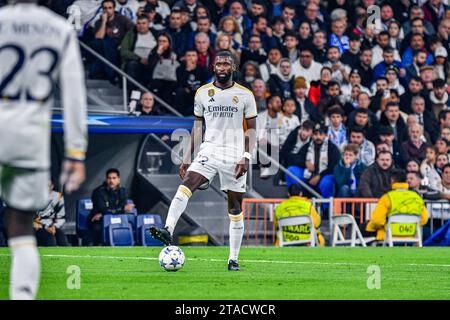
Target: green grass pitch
267	273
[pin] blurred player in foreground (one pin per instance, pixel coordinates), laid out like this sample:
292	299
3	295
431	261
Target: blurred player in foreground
222	106
37	48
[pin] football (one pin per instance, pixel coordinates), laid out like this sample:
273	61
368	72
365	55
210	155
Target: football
171	258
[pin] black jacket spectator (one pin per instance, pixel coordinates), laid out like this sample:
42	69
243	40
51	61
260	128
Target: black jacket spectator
106	200
374	182
280	87
334	155
400	128
258	56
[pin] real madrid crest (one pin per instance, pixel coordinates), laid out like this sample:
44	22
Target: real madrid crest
211	92
235	99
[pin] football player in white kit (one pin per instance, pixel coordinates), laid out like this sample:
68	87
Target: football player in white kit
223	106
37	48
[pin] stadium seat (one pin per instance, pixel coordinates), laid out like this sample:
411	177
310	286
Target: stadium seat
296	221
119	231
338	238
144	222
84	207
412	223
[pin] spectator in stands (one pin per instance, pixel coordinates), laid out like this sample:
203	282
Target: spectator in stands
434	11
110	30
179	37
386	135
289	49
264	32
271	65
417	43
163	64
415	147
338	38
306	67
413	70
228	25
380	69
337	133
294	142
147	105
135	49
237	11
443	145
217	9
351	57
441	64
319	48
340	71
331	99
128	8
428	168
444	118
445	183
282	83
425	117
363	117
392	202
109	198
297	205
204	25
442	160
364	68
348	172
316	163
439	97
366	152
395	34
311	15
278	32
305	35
393	81
190	77
205	52
414	180
289	121
190	5
375	180
48	223
391	117
260	93
415	87
161	7
305	109
318	89
269	125
224	43
416	11
254	51
288	15
249	73
378	51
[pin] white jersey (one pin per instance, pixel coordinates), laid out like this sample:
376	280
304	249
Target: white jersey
224	111
37	48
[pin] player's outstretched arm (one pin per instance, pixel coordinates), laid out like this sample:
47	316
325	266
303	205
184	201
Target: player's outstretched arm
73	92
250	142
195	141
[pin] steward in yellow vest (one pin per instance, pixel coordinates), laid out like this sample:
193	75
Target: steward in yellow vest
297	205
398	201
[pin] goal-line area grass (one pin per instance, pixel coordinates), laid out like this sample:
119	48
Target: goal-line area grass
272	273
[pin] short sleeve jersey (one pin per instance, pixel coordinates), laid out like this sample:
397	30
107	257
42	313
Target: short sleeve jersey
224	111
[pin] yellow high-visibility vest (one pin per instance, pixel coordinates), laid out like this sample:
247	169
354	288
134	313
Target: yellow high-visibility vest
294	206
405	202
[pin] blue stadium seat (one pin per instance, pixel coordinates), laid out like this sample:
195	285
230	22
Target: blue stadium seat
144	222
118	230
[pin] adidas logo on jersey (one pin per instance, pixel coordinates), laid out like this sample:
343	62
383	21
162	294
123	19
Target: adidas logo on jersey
211	100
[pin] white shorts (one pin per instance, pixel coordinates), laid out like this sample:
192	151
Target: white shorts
208	166
24	189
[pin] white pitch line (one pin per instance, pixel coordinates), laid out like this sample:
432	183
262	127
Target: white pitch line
249	261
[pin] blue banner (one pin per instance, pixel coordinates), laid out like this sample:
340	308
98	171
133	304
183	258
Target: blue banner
129	124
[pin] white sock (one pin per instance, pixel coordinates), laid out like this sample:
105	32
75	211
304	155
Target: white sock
177	207
236	234
25	268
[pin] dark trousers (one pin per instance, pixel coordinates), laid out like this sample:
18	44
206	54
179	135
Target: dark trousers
46	239
106	47
139	72
95	236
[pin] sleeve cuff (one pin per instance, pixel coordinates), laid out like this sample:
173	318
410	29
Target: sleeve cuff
75	154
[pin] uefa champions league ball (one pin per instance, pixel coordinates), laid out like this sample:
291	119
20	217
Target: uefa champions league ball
171	258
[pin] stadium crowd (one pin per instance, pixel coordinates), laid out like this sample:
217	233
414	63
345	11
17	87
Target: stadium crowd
349	101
